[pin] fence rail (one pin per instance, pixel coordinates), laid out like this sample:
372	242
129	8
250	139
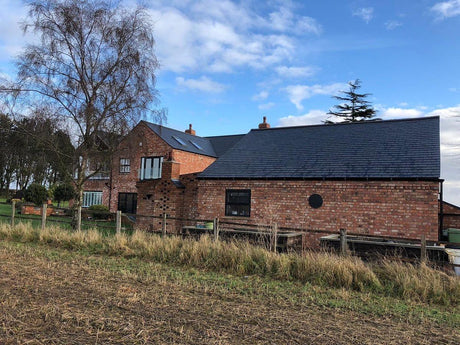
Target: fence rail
219	227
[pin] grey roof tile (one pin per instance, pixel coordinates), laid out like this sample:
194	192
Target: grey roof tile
373	149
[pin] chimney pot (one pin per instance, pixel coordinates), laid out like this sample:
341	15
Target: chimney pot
190	130
264	124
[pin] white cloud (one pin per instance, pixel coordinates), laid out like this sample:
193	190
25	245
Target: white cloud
298	93
202	84
266	106
392	24
313	117
285	20
295	72
365	13
447	9
220	35
400	113
260	96
12	39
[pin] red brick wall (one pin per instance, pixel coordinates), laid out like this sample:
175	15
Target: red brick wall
159	197
451	218
140	142
99	186
152	145
191	162
403	209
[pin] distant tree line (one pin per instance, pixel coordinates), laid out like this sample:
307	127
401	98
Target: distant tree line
33	149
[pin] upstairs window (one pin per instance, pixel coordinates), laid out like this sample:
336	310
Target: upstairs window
150	168
125	165
238	202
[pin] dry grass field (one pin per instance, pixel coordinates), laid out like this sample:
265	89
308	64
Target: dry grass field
57	296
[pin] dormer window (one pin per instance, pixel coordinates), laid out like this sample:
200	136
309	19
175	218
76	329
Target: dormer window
150	168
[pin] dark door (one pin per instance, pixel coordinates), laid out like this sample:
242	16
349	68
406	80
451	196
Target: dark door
127	202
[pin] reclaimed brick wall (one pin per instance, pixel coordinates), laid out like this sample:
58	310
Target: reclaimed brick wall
403	209
191	162
140	142
158	197
99	186
143	142
451	217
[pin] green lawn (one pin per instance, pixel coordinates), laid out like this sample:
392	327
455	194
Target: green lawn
106	227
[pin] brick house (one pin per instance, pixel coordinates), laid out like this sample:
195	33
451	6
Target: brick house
375	177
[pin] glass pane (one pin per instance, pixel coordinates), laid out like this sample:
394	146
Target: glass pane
156	165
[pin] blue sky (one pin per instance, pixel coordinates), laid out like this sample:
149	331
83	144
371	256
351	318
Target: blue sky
226	64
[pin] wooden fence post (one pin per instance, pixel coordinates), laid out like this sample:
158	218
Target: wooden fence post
215	226
44	208
13	211
343	242
79	218
163	225
423	249
118	222
274	239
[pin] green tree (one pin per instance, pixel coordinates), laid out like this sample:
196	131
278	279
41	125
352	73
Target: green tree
354	108
63	192
36	193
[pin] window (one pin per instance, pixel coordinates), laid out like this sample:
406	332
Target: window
125	165
196	145
315	201
238	202
150	168
179	140
92	198
127	202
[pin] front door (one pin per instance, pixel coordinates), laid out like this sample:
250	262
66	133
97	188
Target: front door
127	202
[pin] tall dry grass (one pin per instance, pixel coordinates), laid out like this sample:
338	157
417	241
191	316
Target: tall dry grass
324	269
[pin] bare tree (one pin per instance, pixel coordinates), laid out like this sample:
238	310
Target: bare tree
95	65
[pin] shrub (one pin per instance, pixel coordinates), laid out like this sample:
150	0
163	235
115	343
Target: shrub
99	211
36	193
64	192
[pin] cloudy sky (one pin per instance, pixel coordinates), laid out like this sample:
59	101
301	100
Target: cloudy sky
226	64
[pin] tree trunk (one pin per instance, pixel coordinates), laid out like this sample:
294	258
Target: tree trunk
78	202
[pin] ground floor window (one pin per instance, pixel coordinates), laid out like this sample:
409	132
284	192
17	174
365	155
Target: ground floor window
238	202
127	202
92	198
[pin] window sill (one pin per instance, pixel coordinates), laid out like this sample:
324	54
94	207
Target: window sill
236	217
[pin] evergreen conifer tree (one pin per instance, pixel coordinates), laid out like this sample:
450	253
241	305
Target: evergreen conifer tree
355	108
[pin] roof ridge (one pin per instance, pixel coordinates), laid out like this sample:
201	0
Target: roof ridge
227	135
367	122
175	130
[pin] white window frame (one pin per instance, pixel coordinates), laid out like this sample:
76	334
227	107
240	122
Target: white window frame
91	198
150	168
125	165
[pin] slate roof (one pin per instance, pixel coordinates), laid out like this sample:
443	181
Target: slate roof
223	143
214	146
183	141
374	149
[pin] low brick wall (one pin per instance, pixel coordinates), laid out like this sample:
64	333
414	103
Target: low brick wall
35	210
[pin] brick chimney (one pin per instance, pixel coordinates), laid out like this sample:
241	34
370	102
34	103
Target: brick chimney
264	125
190	130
